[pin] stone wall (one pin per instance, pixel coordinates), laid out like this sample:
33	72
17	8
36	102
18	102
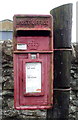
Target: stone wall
74	84
8	111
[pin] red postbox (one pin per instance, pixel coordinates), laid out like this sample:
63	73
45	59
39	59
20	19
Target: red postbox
33	62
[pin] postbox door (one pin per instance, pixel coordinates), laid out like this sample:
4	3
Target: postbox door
34	85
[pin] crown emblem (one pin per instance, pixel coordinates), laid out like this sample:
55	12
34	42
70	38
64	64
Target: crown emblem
33	45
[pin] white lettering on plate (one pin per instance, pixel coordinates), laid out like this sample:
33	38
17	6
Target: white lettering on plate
21	46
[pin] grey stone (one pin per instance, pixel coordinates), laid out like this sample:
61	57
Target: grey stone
5	93
72	71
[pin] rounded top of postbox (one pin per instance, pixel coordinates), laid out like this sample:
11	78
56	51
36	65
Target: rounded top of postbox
32	22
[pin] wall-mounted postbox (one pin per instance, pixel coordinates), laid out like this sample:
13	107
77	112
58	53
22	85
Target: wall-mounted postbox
33	62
